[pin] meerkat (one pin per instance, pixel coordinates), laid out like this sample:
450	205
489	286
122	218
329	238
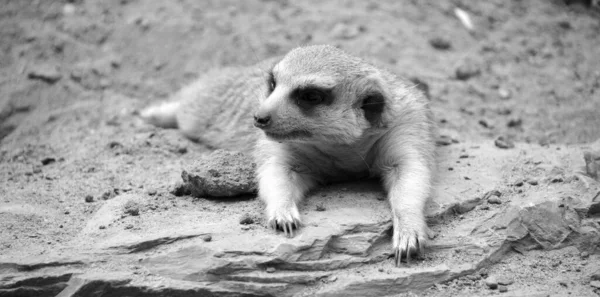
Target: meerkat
322	116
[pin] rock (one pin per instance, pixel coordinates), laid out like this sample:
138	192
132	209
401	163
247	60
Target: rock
180	189
270	269
503	280
514	123
47	161
89	198
532	182
467	70
592	164
221	174
132	208
246	219
595	284
440	43
491	283
320	207
494	200
502	289
444	140
207	238
504	143
45	72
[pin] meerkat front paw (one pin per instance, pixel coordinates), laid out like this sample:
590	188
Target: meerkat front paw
285	218
409	238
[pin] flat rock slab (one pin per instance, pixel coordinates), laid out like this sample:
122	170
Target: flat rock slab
344	247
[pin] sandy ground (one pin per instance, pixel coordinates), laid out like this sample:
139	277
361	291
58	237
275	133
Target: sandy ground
73	73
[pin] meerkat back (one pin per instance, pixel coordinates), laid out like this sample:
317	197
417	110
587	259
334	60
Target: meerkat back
217	108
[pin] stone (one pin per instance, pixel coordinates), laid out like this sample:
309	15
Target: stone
494	200
503	280
504	143
89	198
131	208
491	283
221	174
440	43
45	72
592	164
246	219
595	284
466	70
502	289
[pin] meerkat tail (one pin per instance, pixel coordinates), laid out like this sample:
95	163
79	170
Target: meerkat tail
162	115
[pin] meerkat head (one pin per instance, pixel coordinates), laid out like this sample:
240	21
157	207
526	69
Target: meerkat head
321	94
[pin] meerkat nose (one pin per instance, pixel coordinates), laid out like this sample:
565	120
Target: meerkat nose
262	120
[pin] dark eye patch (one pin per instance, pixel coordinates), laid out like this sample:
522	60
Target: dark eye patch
311	96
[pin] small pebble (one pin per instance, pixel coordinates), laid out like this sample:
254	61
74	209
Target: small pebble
207	238
151	192
129	226
102	227
89	198
504	281
502	289
532	182
491	283
519	183
320	207
440	43
132	208
504	143
494	200
246	219
514	123
47	161
47	73
467	70
270	269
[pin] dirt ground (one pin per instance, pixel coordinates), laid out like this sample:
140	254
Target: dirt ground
73	73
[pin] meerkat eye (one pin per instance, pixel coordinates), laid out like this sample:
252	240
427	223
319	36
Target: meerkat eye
271	82
312	97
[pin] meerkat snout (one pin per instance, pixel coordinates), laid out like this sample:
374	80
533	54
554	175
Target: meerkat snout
262	120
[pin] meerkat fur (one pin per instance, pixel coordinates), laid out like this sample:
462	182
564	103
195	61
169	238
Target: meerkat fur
325	116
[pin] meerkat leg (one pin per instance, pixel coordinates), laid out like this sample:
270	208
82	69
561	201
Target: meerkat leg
281	189
408	188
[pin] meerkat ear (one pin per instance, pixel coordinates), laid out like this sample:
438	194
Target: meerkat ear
373	104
